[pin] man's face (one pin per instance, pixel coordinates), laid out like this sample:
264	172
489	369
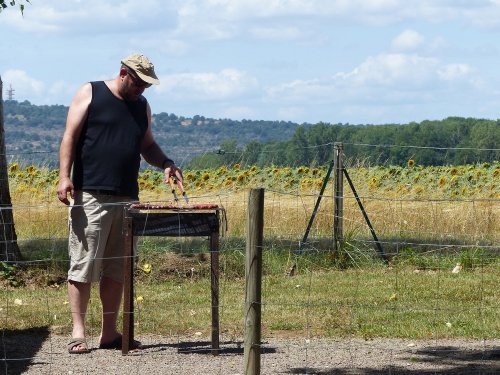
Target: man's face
134	86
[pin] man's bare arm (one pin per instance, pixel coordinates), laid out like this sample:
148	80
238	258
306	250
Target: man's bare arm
77	114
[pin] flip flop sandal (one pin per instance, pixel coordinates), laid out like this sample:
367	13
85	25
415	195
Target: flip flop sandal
75	343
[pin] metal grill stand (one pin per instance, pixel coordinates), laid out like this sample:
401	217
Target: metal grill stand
154	221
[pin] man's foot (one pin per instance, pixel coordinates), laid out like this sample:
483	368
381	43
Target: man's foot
78	346
117	344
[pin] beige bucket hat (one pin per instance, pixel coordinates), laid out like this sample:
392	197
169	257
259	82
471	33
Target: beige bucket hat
143	67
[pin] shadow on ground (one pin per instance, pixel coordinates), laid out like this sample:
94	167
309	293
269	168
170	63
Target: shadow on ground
205	347
441	360
18	349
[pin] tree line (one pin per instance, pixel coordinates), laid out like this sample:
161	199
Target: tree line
454	140
33	135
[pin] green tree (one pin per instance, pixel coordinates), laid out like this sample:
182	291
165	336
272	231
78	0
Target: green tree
230	153
298	152
205	161
485	136
321	137
251	154
273	153
5	4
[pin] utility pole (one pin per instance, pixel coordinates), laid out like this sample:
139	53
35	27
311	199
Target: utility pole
10	93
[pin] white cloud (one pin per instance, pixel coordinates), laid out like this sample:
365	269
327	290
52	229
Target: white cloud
302	91
161	43
216	13
95	16
216	19
277	33
226	19
62	89
226	84
408	40
453	72
382	78
392	69
438	44
37	91
24	85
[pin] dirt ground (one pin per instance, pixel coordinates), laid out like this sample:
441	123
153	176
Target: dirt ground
41	352
45	353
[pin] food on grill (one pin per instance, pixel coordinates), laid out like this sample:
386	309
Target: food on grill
199	206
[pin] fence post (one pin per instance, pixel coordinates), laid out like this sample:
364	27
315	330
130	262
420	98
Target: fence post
338	196
253	277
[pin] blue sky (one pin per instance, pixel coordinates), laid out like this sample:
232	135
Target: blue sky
337	61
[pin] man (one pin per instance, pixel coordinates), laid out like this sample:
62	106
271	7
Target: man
108	128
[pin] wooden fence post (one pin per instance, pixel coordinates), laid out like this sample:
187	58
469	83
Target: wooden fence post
338	196
253	277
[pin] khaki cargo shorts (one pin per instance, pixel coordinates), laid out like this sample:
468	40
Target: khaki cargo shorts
96	240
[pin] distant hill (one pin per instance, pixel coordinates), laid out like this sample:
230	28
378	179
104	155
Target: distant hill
33	133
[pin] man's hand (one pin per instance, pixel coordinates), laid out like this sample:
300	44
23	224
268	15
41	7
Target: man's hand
64	187
172	171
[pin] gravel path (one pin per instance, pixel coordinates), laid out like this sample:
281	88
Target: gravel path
38	354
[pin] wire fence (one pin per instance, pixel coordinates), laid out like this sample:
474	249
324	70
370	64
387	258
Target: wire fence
434	309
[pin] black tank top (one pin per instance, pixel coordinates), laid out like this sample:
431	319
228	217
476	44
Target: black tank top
108	153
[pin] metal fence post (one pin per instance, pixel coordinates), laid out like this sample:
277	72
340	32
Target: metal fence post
338	196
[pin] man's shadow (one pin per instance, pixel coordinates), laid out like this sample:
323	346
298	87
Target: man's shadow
18	348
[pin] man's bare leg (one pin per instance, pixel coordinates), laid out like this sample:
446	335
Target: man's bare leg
79	295
111	295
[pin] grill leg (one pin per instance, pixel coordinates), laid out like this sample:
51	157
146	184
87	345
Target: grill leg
128	288
214	278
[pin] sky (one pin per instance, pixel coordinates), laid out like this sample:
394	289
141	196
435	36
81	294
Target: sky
336	61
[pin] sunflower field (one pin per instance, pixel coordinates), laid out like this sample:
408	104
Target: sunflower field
460	189
467	181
